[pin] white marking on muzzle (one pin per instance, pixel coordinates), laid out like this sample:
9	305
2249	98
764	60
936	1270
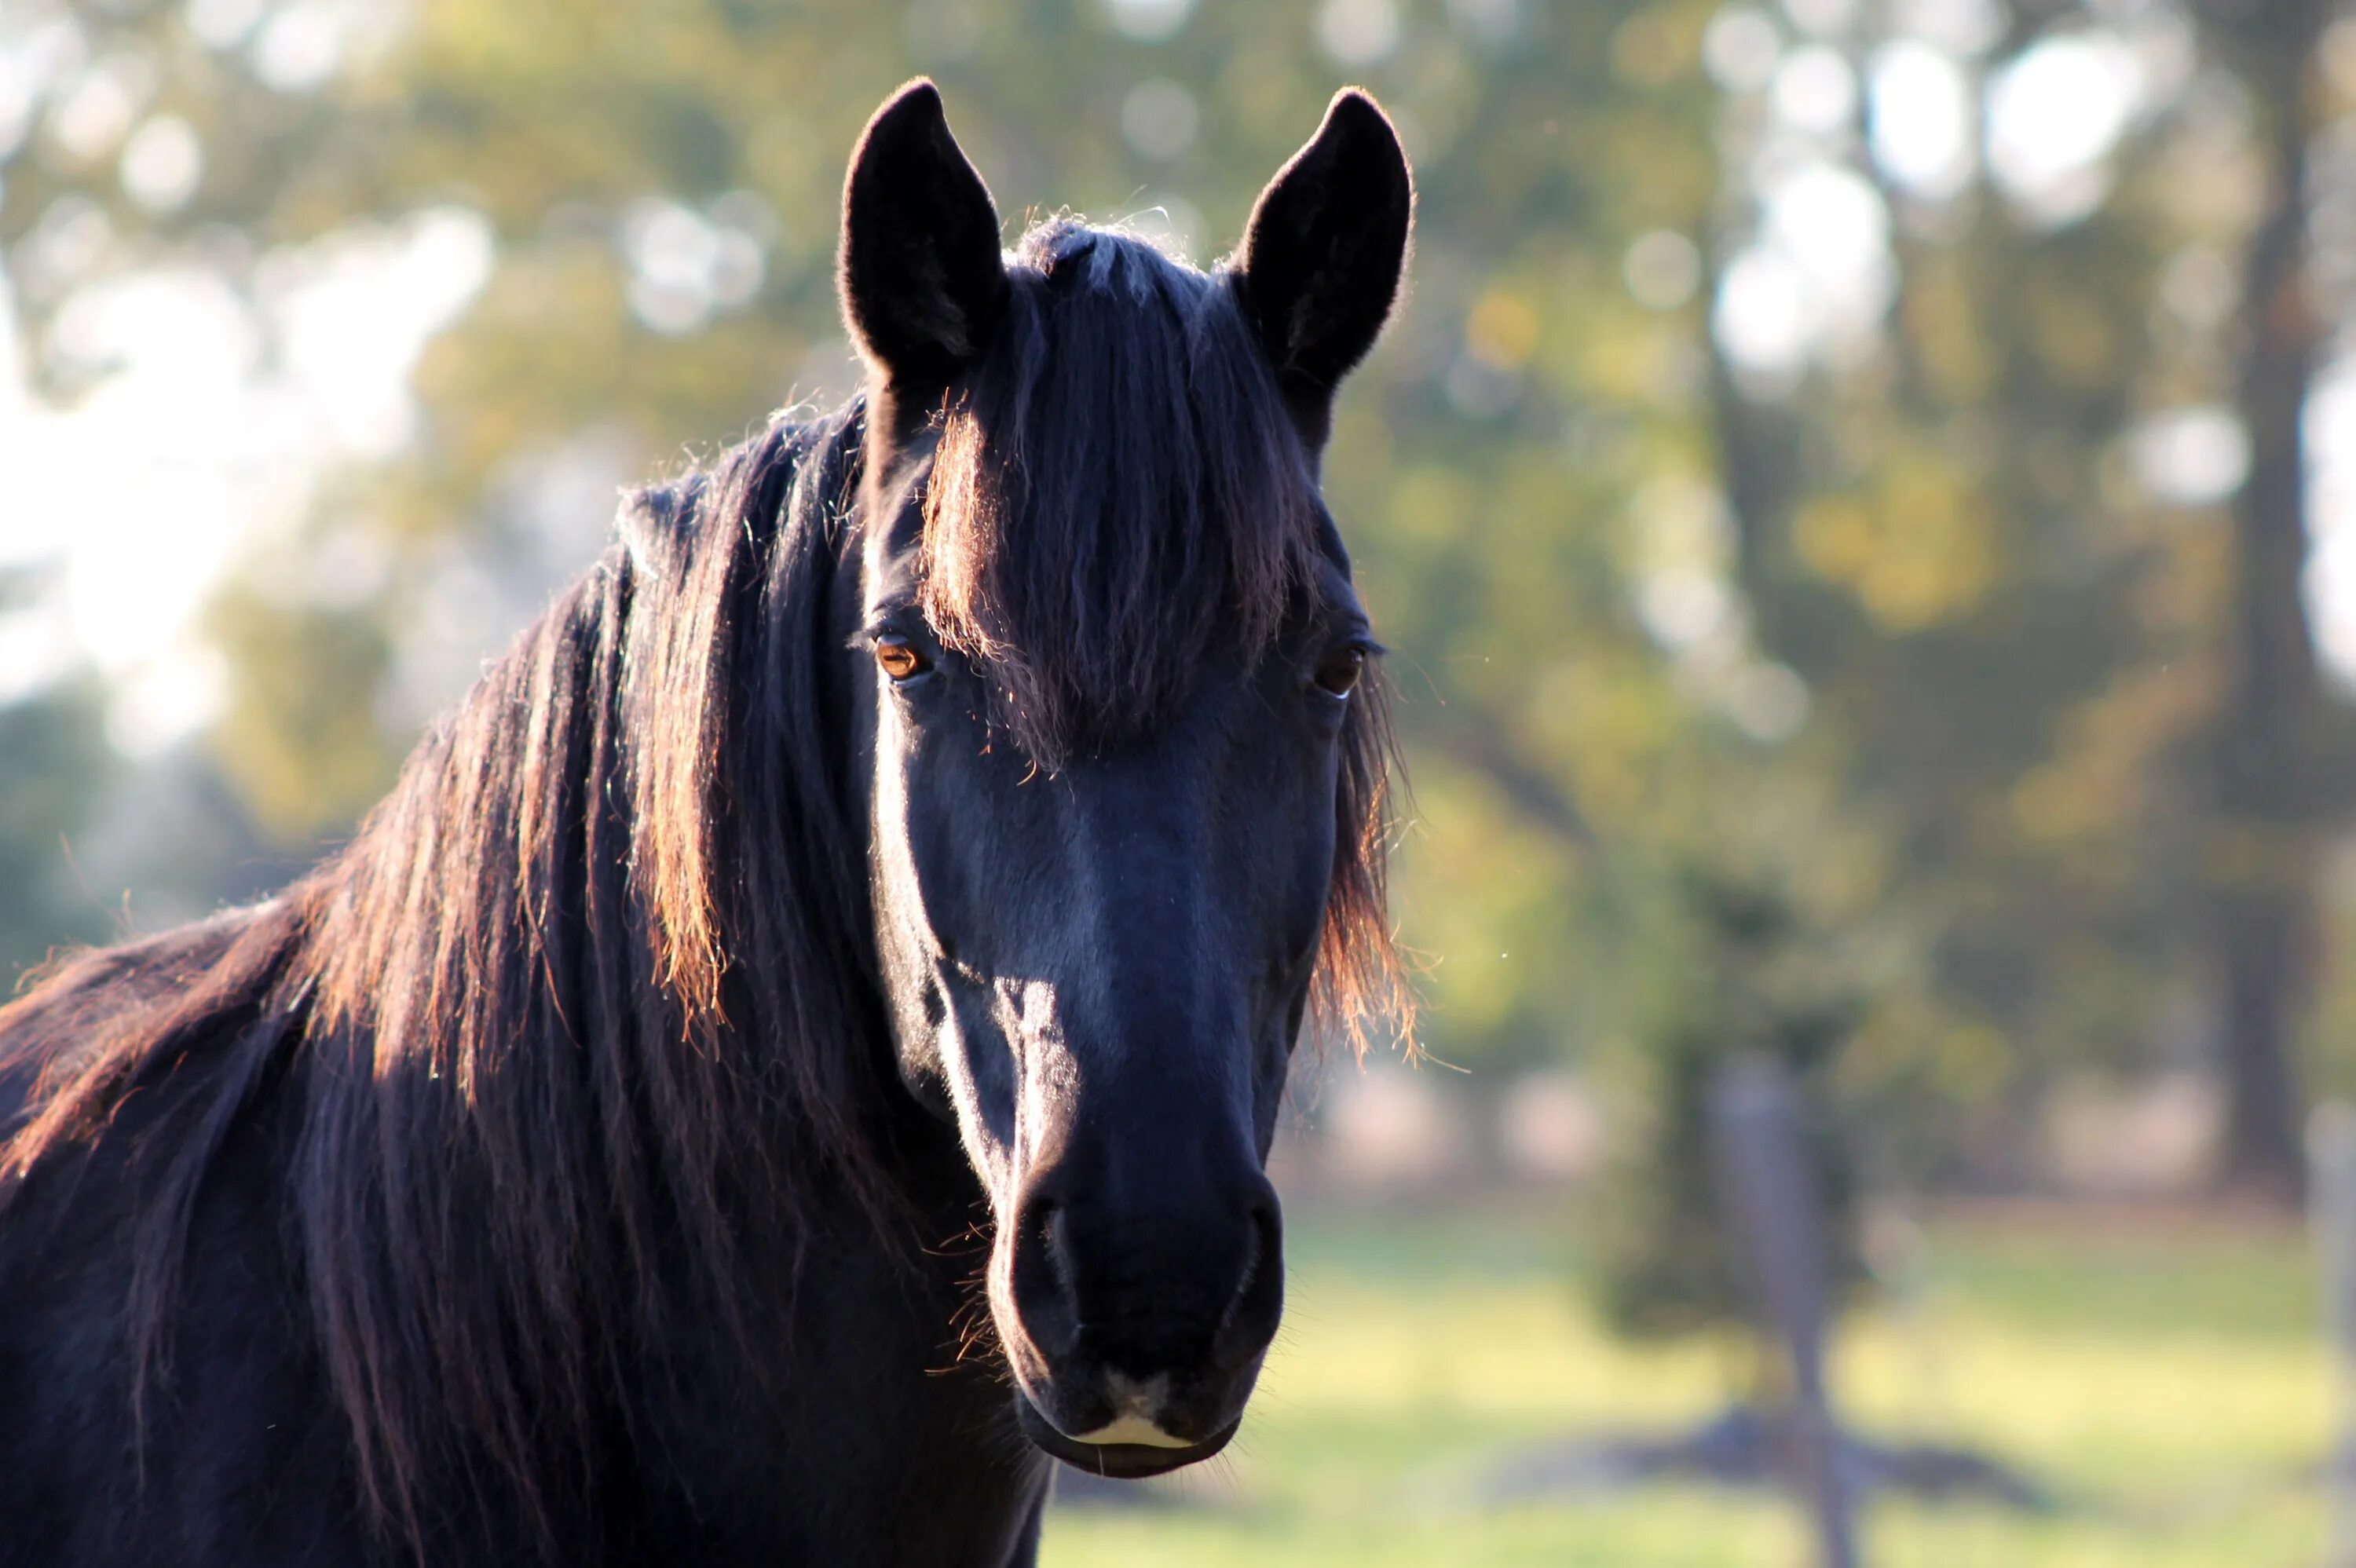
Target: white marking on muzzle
1138	1405
1133	1429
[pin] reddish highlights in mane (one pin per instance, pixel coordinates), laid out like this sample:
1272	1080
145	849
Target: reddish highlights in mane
560	1010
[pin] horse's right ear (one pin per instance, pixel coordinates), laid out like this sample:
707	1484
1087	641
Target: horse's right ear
922	282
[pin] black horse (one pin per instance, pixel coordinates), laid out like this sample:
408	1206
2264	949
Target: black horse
799	1045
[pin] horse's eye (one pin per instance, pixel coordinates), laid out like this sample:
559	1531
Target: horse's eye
900	660
1341	670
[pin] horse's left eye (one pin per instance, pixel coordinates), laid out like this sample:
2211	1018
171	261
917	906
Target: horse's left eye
900	658
1341	670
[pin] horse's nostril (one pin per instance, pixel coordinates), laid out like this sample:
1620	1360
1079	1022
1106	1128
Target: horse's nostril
1044	1294
1251	1315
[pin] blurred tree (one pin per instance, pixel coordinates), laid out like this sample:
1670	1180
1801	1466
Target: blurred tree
2096	730
1681	544
53	754
2278	752
1755	973
54	764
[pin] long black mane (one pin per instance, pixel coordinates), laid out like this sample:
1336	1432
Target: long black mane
533	1069
582	1022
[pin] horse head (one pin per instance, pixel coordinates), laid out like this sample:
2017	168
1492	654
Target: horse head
1121	754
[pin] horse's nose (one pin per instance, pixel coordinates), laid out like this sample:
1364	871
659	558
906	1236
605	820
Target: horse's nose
1160	1283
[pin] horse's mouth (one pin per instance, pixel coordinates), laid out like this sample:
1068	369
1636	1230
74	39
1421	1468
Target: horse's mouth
1120	1461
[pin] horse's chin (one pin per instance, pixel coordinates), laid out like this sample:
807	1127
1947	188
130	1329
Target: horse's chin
1120	1461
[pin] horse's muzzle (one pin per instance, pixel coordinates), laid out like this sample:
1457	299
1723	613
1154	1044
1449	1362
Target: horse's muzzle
1120	1461
1136	1329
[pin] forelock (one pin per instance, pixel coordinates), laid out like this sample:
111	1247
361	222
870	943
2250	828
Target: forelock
1119	487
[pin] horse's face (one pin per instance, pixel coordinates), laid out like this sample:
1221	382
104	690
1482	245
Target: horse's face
1100	971
1098	961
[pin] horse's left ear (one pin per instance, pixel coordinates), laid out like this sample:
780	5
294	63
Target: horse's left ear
922	282
1322	259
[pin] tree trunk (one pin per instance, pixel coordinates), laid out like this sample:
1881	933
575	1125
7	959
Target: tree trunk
2266	742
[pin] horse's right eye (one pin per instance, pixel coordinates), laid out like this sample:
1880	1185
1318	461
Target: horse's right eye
900	658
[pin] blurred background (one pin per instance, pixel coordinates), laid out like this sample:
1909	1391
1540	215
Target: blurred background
1863	495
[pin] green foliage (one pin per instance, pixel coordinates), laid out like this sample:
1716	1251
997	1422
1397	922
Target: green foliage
1961	665
1753	979
53	756
301	740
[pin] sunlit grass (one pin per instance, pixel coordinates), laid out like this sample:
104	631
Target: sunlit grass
2170	1388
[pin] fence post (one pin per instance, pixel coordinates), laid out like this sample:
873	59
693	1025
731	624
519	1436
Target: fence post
2331	1191
1772	1196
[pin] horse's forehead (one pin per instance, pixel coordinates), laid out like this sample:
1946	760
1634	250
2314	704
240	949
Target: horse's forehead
891	545
892	533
